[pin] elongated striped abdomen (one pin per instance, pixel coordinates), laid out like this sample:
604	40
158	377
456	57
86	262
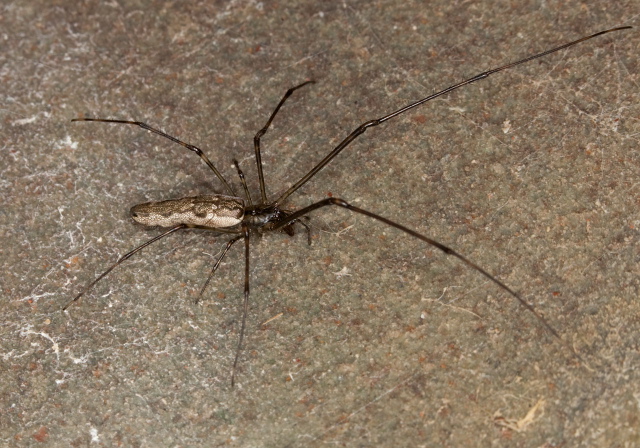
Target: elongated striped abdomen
215	211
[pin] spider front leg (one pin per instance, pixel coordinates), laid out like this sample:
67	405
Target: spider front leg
447	250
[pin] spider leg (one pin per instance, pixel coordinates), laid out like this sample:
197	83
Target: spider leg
121	260
216	265
244	182
375	122
447	250
189	146
245	303
261	132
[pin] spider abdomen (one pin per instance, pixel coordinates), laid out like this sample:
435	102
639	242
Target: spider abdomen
212	211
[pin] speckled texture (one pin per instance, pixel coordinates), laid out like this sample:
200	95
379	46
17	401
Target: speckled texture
213	211
378	340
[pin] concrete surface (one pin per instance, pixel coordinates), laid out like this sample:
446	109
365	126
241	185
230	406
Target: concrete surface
380	340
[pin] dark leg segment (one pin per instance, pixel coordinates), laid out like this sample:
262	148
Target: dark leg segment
341	203
216	265
173	139
243	181
371	123
261	132
122	259
306	227
245	303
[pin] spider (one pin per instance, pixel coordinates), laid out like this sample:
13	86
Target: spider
242	217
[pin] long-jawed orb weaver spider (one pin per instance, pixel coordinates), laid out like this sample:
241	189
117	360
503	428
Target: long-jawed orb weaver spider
241	217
